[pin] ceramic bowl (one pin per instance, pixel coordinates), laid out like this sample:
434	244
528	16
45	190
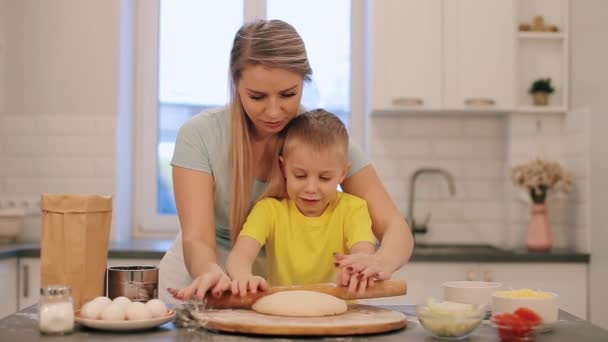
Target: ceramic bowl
470	292
546	308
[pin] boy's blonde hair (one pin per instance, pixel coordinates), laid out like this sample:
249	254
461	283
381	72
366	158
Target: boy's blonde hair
275	44
318	129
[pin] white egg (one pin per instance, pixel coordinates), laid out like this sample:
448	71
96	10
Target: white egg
122	300
156	307
136	311
103	300
92	310
113	312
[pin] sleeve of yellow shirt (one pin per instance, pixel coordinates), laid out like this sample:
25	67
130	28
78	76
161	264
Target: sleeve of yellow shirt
358	225
259	222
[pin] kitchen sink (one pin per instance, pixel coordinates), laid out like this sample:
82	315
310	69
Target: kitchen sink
432	248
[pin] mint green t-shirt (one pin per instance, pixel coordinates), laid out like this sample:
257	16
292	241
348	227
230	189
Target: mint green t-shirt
203	144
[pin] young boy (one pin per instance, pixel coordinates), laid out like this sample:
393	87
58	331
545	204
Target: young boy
302	219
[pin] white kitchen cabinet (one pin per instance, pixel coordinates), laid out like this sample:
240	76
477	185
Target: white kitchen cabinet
568	280
407	46
424	279
29	282
8	286
443	55
479	54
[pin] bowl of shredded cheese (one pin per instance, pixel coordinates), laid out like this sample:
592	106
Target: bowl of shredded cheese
543	303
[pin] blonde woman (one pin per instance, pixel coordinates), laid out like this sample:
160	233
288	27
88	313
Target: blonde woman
223	159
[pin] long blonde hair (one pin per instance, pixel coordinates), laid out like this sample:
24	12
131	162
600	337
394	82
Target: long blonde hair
275	44
318	129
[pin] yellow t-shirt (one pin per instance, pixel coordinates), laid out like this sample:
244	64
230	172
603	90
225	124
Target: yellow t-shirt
299	249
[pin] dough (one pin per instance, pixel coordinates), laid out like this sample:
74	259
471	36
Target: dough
300	304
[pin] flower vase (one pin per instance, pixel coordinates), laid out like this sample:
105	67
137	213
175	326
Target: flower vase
539	238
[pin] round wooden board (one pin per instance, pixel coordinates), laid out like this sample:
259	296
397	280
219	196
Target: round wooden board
358	320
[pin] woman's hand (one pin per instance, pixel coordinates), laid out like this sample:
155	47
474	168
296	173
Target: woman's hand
250	283
215	280
359	271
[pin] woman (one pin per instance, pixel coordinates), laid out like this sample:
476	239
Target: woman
223	157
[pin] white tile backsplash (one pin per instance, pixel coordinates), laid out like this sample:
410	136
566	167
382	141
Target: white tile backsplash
479	152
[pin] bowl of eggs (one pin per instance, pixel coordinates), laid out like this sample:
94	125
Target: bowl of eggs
122	313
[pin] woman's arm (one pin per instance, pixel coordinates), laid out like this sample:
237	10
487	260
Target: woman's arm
195	208
396	241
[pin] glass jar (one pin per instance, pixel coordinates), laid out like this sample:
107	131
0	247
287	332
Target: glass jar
56	310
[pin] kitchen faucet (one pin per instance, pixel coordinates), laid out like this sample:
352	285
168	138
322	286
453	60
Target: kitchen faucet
422	228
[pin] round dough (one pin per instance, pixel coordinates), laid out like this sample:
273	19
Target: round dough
300	304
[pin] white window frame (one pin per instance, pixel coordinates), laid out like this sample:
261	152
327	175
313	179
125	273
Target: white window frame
147	222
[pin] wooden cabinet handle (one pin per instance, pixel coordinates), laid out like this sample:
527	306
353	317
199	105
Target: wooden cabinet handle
26	281
408	101
479	102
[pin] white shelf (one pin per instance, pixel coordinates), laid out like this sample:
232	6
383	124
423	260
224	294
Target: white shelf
541	109
541	35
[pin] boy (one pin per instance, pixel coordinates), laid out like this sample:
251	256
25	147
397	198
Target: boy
301	218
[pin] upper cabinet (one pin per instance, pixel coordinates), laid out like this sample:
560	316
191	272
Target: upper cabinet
407	54
479	63
443	55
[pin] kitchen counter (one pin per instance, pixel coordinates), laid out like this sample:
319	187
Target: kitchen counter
155	249
23	326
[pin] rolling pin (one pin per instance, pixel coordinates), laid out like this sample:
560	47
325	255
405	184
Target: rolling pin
386	288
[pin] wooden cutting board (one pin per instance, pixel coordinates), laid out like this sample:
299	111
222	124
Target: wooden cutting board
358	320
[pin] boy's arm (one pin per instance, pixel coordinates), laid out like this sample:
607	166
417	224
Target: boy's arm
241	258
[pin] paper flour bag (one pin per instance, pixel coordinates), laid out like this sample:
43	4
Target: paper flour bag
74	243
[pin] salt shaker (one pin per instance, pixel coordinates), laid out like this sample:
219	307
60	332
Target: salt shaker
56	310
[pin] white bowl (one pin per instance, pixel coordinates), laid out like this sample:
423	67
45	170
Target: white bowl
546	308
470	292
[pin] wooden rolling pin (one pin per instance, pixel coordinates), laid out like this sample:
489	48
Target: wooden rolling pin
386	288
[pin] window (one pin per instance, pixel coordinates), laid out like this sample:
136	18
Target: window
184	53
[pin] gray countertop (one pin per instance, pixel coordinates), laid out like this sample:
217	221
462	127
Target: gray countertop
23	326
155	249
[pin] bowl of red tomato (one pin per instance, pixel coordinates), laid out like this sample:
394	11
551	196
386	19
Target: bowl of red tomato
523	324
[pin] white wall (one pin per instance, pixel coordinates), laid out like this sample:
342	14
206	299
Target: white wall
472	148
478	150
590	93
61	98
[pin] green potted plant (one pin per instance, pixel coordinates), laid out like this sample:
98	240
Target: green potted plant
540	90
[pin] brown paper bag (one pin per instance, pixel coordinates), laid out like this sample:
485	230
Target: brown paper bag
74	245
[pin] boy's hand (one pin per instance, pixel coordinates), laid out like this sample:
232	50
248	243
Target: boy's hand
242	285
